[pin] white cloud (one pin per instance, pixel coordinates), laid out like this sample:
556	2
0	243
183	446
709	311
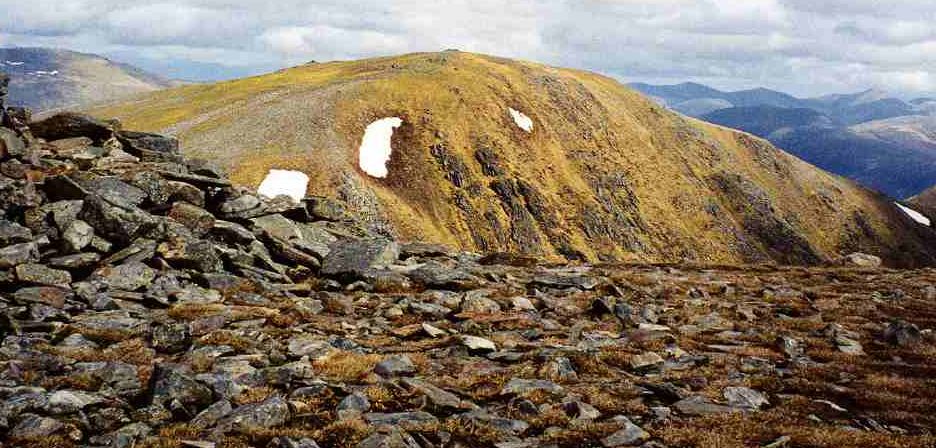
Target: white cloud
805	46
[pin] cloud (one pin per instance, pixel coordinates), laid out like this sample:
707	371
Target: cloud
804	46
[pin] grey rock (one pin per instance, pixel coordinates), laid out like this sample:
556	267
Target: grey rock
477	303
70	401
190	253
438	397
435	275
698	405
130	276
110	322
17	254
182	191
75	261
232	233
504	426
395	438
35	426
42	275
46	295
286	442
212	414
395	366
478	344
149	147
902	334
271	412
158	190
119	378
849	346
745	398
178	389
400	418
581	411
562	280
789	346
861	260
354	402
114	223
71	124
646	361
629	435
115	192
13	233
354	259
171	338
308	345
520	386
240	204
77	235
195	218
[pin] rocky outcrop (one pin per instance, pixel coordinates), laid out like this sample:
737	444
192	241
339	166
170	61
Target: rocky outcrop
145	301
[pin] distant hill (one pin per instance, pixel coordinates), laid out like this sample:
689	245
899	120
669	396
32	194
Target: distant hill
878	140
44	78
765	120
493	154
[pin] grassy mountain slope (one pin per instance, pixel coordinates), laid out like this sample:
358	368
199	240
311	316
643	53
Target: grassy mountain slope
44	78
606	173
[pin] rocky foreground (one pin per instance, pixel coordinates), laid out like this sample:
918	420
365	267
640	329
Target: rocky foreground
147	302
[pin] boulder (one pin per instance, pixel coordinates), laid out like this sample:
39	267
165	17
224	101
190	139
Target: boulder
73	124
354	259
861	260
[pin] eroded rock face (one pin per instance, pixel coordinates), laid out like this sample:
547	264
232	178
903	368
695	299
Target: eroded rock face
144	299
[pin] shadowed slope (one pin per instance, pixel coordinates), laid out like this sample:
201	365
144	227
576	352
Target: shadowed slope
605	174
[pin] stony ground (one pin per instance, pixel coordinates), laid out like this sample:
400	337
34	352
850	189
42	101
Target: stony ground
145	302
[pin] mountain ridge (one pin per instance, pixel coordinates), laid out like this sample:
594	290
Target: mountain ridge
51	78
877	140
605	174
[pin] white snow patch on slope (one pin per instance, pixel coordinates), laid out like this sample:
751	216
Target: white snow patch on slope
523	122
915	215
375	146
284	182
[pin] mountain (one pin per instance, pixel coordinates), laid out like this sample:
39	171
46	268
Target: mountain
913	130
844	109
862	107
148	302
896	156
765	120
880	141
45	78
493	154
900	170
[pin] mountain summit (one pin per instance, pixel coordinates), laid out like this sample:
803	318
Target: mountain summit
494	154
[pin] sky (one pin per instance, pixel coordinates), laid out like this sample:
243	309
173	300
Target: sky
805	47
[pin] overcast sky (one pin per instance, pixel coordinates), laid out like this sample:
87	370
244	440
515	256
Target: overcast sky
804	47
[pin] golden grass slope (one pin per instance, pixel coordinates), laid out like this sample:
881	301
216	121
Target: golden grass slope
605	175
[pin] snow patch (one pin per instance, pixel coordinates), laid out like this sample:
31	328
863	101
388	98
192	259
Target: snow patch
522	121
915	215
284	182
375	146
